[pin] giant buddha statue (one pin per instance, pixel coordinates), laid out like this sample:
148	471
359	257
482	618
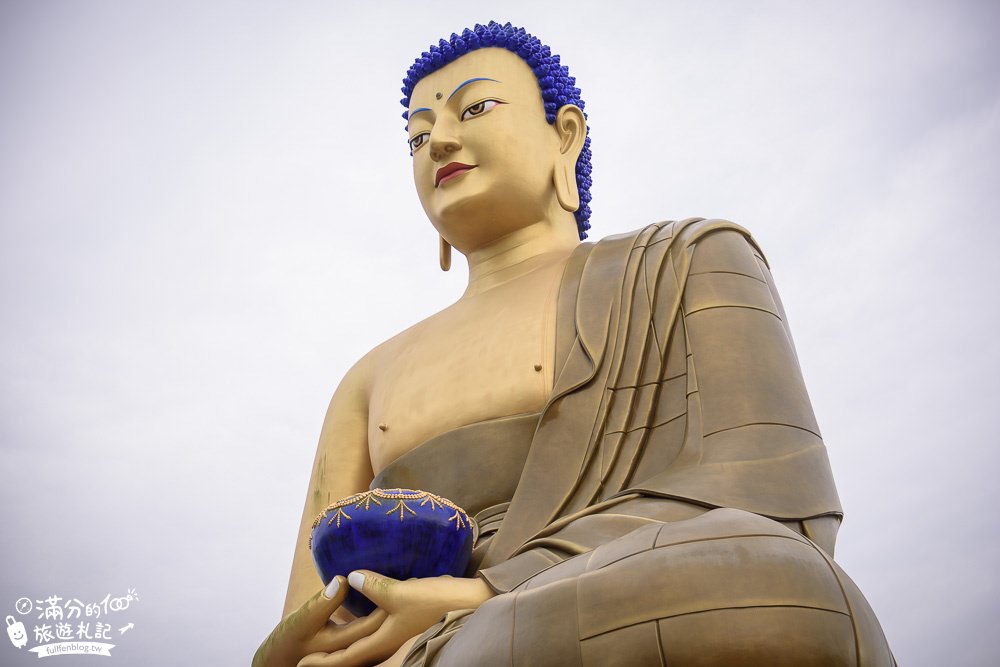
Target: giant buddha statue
626	420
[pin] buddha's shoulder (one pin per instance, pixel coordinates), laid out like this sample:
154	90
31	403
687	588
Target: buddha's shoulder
383	355
376	358
686	230
713	236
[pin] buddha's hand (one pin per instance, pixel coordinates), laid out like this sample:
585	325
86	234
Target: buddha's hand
309	630
412	606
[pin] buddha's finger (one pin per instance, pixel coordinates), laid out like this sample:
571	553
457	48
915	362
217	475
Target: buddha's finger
334	638
317	610
374	586
296	633
365	651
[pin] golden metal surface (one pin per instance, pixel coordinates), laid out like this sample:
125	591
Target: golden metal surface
627	421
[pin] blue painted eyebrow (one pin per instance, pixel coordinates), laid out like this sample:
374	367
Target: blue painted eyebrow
416	111
466	83
413	113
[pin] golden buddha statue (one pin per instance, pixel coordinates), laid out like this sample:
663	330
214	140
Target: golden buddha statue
626	420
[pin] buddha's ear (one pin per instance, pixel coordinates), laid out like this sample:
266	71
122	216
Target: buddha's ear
571	127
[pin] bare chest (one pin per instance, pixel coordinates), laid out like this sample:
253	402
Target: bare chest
482	358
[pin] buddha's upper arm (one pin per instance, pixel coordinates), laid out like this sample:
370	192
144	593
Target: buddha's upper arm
343	463
342	466
741	350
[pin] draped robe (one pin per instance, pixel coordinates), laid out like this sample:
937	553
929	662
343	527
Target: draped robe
673	502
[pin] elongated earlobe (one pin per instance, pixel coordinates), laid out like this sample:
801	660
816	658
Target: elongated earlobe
564	180
572	129
444	254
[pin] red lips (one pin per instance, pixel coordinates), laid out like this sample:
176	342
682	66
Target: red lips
451	170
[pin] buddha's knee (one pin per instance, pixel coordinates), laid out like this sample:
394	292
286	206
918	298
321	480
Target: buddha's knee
727	587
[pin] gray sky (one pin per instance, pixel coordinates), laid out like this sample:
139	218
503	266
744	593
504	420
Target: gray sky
207	215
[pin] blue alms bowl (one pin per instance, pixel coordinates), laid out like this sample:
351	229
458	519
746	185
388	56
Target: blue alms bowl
396	532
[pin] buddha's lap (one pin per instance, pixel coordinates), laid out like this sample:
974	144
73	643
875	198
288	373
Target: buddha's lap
727	587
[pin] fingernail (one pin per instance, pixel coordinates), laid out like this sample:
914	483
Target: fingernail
356	580
331	589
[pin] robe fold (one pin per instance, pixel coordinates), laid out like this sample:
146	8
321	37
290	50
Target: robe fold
673	502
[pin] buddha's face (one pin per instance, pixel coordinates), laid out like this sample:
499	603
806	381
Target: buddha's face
483	153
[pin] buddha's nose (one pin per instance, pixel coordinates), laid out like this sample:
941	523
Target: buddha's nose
443	144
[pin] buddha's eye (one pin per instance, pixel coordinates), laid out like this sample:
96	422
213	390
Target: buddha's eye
418	141
479	108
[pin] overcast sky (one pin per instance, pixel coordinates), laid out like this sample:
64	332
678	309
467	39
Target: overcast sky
207	215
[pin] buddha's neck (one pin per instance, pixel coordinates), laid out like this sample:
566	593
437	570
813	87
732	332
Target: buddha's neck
518	254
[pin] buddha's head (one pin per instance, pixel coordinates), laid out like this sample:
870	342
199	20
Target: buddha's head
498	136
